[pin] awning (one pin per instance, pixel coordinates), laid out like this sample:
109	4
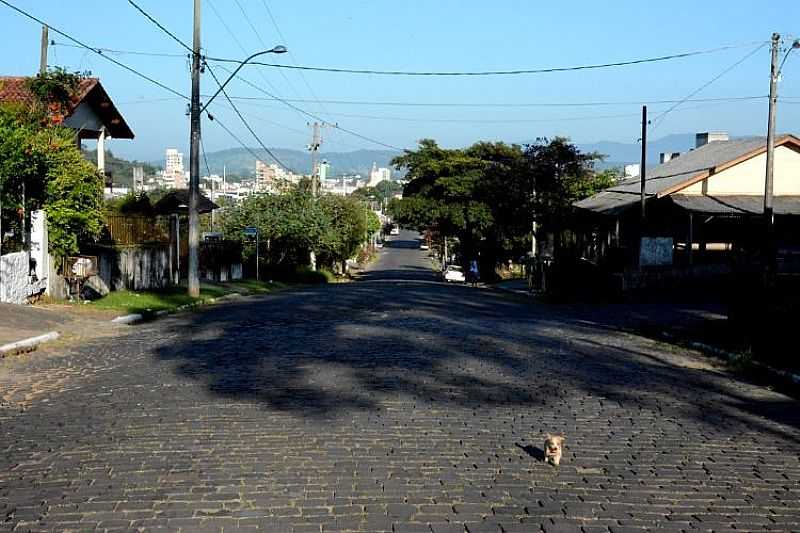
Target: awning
736	204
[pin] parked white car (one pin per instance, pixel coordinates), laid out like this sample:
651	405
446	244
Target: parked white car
453	274
424	246
394	231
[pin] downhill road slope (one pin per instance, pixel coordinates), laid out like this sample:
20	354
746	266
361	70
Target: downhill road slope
395	403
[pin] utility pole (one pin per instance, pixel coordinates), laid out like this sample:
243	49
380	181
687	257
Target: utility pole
194	161
43	51
643	163
316	142
773	104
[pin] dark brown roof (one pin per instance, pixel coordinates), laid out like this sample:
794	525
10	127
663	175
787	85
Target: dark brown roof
736	204
14	89
177	201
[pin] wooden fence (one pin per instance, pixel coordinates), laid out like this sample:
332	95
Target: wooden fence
136	230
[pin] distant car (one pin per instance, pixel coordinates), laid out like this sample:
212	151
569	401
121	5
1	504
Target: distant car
395	231
424	246
453	274
379	244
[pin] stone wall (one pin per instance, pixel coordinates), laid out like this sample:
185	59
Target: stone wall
16	285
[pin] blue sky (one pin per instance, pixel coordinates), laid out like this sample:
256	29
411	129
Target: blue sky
463	35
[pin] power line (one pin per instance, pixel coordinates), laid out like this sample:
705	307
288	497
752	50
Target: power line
237	41
237	139
494	72
244	121
126	67
233	106
488	104
160	26
660	117
292	56
95	50
434	73
264	44
312	115
205	159
123	52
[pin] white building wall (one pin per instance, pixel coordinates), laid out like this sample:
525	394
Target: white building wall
747	178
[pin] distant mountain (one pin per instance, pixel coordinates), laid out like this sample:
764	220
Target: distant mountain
619	154
120	169
240	162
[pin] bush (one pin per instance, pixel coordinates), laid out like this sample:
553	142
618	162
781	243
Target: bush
305	275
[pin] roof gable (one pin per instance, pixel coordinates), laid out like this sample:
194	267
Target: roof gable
680	172
14	89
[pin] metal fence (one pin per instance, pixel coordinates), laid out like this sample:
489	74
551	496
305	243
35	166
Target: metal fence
134	230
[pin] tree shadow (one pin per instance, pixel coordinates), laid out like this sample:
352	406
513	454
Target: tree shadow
320	352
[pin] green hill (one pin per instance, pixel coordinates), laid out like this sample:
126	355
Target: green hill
120	169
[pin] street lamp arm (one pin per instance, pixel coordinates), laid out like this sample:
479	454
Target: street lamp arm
276	50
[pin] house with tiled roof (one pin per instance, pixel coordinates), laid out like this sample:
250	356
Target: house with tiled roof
91	112
702	209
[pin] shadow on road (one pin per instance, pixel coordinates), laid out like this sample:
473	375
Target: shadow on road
323	351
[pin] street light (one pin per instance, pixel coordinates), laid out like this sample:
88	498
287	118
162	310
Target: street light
280	49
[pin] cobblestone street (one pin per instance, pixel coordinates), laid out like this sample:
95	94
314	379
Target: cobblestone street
395	403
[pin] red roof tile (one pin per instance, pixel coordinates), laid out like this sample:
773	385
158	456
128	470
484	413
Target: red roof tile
13	89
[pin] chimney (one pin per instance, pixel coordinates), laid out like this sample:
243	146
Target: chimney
701	139
665	157
631	170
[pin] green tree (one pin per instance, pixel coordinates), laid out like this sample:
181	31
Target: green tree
348	220
381	192
561	175
44	160
484	194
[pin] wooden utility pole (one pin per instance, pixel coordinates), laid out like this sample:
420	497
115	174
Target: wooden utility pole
643	163
194	162
43	51
773	104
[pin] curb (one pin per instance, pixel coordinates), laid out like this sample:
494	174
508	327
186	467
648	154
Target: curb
698	346
128	319
135	318
520	292
27	345
732	356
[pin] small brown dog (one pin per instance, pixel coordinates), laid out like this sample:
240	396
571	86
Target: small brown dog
553	448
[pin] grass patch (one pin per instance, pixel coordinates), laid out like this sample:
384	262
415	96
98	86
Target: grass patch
170	299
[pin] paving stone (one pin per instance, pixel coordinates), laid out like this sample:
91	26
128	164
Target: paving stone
388	405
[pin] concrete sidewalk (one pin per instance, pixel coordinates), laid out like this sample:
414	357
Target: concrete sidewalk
22	322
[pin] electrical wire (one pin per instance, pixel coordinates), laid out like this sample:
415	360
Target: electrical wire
438	73
292	56
514	72
246	124
312	115
160	26
264	44
236	40
95	50
233	106
130	69
486	104
122	52
660	118
205	159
